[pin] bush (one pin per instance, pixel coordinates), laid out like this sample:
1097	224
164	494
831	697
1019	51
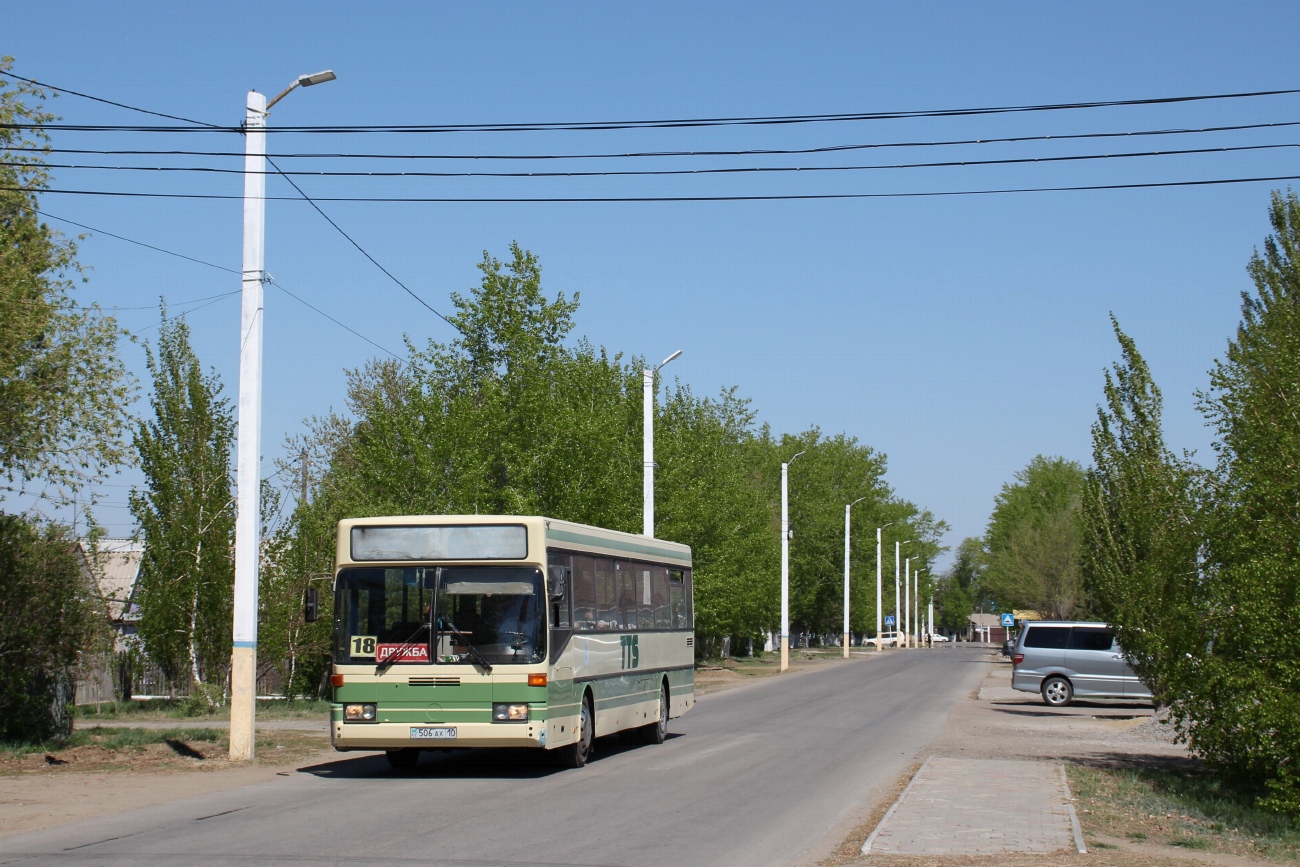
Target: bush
46	620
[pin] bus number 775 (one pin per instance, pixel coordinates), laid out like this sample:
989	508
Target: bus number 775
631	651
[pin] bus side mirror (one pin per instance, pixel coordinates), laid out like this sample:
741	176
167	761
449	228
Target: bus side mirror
311	605
558	583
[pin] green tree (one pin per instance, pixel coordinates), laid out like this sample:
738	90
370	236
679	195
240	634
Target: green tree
185	512
63	389
959	588
1244	704
46	619
1142	530
1033	541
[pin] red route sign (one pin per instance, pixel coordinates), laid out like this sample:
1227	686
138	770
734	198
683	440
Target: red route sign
409	653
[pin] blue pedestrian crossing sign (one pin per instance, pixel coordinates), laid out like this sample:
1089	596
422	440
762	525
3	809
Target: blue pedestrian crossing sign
1008	619
889	620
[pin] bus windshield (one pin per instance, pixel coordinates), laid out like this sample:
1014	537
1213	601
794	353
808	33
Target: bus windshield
424	614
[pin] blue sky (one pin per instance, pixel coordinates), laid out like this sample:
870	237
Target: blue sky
961	336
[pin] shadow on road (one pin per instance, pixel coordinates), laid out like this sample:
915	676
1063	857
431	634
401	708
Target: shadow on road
469	763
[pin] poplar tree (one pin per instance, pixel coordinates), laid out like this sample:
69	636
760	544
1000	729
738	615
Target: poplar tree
1246	705
186	513
1142	531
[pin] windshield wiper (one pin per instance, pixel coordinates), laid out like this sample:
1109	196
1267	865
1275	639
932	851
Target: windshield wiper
473	651
401	649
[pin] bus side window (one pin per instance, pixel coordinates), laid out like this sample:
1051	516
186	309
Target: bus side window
677	593
608	617
659	598
584	593
559	577
645	612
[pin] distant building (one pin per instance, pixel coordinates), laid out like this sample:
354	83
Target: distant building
987	628
114	568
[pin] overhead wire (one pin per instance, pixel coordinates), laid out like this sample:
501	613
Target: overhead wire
774	197
726	170
673	123
679	153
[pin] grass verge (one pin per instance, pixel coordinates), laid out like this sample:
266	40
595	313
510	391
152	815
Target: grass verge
1190	811
181	708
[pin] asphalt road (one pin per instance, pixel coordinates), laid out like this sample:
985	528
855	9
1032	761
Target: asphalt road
771	773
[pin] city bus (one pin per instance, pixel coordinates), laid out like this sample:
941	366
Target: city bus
456	631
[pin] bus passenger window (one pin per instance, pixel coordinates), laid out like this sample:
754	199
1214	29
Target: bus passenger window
607	613
627	581
677	591
659	597
584	593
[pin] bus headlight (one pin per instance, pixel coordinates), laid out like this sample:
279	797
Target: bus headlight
503	712
359	713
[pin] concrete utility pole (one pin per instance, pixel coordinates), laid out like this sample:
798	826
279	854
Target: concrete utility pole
880	614
898	613
248	473
846	573
648	446
916	606
907	602
785	563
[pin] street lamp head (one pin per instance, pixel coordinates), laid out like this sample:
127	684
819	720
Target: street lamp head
317	78
855	502
669	358
796	457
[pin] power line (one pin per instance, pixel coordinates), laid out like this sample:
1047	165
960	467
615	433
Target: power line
335	321
106	101
679	153
133	241
775	197
300	191
726	170
361	249
675	123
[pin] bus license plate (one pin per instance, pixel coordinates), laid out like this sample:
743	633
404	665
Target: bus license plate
433	732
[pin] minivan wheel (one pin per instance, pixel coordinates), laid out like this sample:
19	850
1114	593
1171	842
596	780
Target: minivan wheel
1057	691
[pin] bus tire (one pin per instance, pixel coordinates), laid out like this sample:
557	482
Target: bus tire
575	755
657	731
402	760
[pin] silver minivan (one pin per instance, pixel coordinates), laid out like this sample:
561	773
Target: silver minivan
1064	660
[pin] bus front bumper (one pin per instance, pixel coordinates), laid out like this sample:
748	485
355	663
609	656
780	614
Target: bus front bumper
430	736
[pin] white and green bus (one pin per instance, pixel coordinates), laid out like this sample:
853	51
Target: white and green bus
455	631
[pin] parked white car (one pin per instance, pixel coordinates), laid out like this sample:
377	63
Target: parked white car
889	639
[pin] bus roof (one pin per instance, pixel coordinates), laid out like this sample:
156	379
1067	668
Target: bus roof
553	533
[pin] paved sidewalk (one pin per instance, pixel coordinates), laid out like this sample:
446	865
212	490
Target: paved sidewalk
980	807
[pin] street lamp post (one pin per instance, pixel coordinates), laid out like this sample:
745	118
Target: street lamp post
243	659
907	603
648	446
785	563
879	612
898	622
916	606
846	573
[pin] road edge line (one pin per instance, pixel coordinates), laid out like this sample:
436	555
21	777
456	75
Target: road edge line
866	847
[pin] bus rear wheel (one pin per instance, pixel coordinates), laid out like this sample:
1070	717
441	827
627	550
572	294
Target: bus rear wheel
402	760
575	755
657	731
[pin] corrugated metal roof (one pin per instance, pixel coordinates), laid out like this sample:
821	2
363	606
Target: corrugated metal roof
115	568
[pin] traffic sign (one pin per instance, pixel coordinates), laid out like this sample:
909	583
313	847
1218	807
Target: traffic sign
1008	619
889	620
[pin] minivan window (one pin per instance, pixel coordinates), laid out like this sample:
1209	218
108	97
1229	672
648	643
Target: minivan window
1091	638
1050	637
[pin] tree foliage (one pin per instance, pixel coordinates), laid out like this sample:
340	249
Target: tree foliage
186	512
63	389
1244	707
1141	530
513	417
1033	541
48	616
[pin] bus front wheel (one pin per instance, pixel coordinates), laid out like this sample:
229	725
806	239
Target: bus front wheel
575	755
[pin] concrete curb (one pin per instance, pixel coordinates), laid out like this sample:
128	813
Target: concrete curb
866	847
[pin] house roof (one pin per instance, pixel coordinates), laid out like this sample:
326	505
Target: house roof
982	620
115	567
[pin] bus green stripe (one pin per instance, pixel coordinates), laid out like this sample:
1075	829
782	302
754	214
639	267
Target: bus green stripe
617	545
